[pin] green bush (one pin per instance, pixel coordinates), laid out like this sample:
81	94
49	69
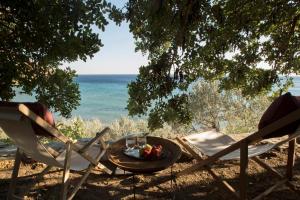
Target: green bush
125	125
227	111
76	127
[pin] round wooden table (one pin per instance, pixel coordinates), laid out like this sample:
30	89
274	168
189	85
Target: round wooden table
171	152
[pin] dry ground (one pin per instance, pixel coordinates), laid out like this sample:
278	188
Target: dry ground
198	185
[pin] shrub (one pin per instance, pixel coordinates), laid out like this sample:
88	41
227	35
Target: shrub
125	125
77	127
227	111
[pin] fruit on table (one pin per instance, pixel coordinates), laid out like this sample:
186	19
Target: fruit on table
146	151
156	151
149	151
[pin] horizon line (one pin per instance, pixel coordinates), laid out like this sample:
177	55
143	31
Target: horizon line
107	74
292	75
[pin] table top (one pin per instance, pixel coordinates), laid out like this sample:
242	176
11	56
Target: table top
171	153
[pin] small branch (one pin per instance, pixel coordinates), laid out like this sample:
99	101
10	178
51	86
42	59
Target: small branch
294	22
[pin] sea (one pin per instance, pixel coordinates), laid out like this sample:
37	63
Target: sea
105	97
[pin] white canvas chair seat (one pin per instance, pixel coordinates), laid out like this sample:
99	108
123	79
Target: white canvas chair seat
211	142
77	162
16	123
23	136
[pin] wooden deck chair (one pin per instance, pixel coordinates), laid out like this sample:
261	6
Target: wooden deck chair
16	123
217	146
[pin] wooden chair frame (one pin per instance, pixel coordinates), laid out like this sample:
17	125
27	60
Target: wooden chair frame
243	146
70	146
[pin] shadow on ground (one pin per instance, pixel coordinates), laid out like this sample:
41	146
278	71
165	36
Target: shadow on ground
199	185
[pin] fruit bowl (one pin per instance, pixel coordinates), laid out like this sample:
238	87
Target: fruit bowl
170	153
147	152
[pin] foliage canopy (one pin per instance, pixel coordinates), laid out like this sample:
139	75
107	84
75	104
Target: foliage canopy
225	40
37	36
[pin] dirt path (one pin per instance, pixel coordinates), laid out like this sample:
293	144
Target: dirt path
198	185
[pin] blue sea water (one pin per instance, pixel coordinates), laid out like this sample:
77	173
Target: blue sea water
105	96
102	96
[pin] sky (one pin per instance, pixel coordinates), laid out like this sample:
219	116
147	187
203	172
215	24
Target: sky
117	56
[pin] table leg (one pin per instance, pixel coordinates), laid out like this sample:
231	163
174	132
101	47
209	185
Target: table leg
133	184
171	178
173	184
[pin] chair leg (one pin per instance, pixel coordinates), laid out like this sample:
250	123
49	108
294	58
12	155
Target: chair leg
212	173
291	159
88	171
82	180
66	174
243	170
14	175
